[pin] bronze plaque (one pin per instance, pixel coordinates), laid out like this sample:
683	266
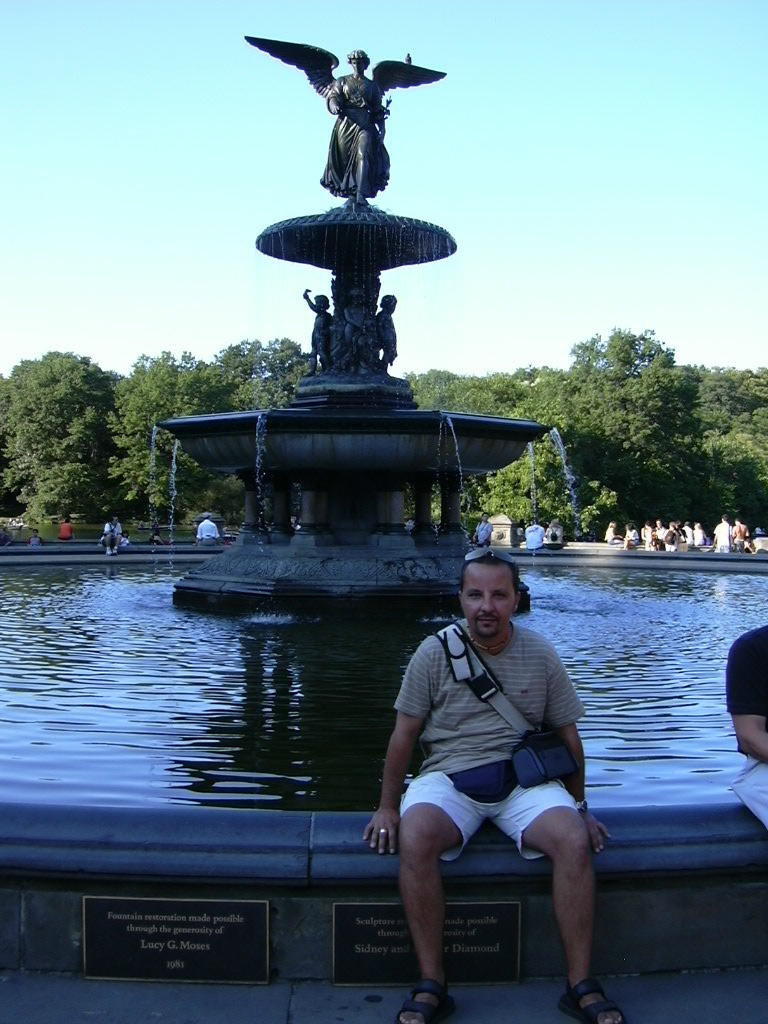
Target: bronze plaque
371	944
176	940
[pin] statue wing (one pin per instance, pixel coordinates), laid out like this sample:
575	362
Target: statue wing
396	74
317	64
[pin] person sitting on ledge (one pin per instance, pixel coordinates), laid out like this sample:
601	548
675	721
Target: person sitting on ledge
746	682
612	536
631	537
5	538
671	537
722	536
534	536
110	535
207	531
440	812
65	530
740	536
35	540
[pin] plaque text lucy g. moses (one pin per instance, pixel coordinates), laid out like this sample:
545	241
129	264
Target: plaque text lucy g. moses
176	940
371	944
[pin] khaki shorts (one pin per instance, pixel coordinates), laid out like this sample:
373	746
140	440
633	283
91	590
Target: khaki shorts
512	815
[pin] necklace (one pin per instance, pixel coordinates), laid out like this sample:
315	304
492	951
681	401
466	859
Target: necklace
492	648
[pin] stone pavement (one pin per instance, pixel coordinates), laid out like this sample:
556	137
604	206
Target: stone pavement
735	997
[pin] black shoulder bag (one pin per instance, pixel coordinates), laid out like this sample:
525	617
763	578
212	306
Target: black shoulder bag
540	756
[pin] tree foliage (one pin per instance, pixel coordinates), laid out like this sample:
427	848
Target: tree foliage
57	439
644	437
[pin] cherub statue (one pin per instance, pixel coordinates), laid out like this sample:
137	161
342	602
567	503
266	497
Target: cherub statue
385	331
358	163
321	333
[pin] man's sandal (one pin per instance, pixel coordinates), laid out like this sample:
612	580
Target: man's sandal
431	1012
569	1002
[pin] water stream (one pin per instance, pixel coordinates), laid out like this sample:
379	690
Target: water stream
570	480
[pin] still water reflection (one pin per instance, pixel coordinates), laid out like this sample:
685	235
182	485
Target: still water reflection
110	694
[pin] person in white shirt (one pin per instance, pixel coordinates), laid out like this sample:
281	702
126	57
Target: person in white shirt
483	531
722	539
534	536
207	531
111	534
631	537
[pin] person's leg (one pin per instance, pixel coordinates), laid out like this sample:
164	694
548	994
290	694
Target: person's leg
425	832
561	834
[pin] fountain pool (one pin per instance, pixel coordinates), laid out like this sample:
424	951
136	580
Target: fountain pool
112	695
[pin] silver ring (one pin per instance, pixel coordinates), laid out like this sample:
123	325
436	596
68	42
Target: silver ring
382	830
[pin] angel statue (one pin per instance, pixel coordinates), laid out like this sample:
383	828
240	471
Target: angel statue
358	163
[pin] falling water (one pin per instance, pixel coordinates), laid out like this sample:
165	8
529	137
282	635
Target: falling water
534	507
258	470
152	479
172	492
255	380
570	479
449	424
438	466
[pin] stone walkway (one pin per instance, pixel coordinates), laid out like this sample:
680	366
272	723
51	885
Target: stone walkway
736	997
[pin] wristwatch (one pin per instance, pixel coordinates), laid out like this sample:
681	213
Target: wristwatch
582	806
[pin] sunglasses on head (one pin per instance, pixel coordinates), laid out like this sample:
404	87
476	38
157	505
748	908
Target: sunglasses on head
502	556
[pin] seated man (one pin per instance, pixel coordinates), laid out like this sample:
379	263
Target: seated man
207	531
746	680
111	534
534	536
436	819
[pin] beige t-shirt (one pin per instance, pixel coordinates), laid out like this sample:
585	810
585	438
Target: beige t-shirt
460	731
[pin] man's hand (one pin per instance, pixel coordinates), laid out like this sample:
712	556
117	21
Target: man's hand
381	831
598	833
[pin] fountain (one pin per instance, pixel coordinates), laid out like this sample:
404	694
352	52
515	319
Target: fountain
352	439
151	730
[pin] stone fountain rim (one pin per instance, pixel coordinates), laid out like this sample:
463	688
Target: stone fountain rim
369	216
346	219
372	421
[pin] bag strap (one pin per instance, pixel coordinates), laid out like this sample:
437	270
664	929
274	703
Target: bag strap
457	646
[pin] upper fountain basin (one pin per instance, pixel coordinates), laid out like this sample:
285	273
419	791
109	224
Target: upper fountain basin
340	440
354	235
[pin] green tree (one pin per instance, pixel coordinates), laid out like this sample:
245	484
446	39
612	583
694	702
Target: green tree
262	376
8	502
57	439
158	389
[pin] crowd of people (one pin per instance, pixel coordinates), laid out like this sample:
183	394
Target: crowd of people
533	536
676	535
113	538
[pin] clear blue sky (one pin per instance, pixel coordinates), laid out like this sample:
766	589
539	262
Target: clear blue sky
600	163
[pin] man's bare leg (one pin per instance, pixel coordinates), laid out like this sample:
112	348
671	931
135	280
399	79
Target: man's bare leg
425	832
562	835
